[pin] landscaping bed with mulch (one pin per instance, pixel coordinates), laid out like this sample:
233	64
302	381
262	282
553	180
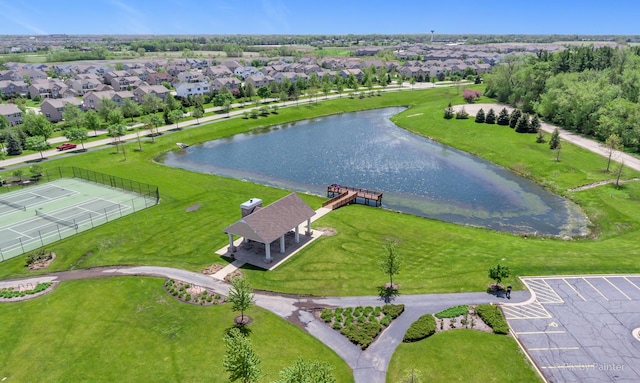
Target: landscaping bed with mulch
22	292
190	293
361	325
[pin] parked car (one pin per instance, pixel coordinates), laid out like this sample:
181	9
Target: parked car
66	146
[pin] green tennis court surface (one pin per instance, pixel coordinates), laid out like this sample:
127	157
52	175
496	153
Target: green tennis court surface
38	215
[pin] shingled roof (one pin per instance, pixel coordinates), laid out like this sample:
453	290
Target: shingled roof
271	222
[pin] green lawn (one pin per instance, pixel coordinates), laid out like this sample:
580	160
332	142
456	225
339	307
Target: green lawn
463	356
438	257
130	329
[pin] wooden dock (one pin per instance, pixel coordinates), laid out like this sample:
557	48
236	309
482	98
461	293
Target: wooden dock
345	195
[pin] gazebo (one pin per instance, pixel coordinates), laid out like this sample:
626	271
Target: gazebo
267	224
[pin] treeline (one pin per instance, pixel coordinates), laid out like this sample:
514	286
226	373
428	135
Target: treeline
592	91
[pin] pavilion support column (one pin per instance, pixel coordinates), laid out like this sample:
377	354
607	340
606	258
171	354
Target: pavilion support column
297	233
308	226
232	248
282	244
267	252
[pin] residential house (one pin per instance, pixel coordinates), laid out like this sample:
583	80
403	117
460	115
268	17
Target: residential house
12	88
42	89
258	81
126	83
109	76
91	100
12	113
158	78
156	90
230	64
246	71
141	73
228	82
52	108
187	89
83	85
217	71
190	76
346	72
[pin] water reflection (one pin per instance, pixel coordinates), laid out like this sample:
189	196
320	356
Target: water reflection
366	150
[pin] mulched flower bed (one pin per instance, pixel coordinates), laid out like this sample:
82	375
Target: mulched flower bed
22	293
190	293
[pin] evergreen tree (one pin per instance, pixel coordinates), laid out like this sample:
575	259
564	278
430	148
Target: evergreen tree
480	117
448	113
522	126
491	117
13	145
503	117
534	126
540	138
240	361
554	143
513	119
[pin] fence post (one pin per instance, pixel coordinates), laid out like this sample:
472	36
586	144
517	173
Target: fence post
59	235
91	220
21	245
1	255
40	235
106	216
120	209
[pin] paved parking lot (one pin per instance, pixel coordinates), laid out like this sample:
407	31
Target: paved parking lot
581	328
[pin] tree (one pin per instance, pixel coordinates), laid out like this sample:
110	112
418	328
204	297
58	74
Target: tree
91	121
491	117
619	173
105	106
72	114
249	91
240	296
171	103
226	107
612	144
4	123
37	125
534	126
221	98
480	117
503	117
498	273
197	113
240	360
130	109
264	92
554	143
115	117
151	103
305	371
513	119
470	95
152	122
391	262
13	145
448	112
540	137
38	143
412	376
326	89
116	131
175	116
78	134
522	125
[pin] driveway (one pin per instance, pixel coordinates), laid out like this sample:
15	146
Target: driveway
581	328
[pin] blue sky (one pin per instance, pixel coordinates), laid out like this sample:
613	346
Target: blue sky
32	17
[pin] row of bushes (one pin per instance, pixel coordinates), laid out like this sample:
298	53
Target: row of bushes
424	327
492	316
452	312
179	289
9	293
362	334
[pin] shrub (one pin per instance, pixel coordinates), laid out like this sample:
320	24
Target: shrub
9	293
348	311
337	325
492	316
348	321
453	312
449	113
490	117
338	318
339	310
462	114
368	310
480	117
377	311
358	311
385	321
393	310
471	95
425	326
37	256
361	334
326	315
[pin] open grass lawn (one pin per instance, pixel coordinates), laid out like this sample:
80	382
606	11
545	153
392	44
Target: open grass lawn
128	329
463	356
437	256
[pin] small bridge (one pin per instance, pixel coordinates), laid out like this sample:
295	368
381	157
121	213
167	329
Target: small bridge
345	195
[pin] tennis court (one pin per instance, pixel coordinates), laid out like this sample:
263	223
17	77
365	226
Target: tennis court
39	215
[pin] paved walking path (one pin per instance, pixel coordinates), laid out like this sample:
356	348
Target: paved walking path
369	366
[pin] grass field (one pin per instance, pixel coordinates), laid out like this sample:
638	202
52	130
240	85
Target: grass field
129	329
463	356
438	256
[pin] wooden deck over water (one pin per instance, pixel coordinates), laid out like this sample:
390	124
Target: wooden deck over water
345	195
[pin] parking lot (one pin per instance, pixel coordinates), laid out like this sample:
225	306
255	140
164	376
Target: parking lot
581	328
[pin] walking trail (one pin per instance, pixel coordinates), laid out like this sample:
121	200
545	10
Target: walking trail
369	366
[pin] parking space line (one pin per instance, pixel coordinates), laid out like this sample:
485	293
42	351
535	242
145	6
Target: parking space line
553	348
593	287
616	287
532	310
574	289
627	279
544	292
540	332
571	366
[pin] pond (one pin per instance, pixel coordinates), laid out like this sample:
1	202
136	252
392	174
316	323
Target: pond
366	150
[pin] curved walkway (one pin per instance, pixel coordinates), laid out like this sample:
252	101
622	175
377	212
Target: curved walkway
369	366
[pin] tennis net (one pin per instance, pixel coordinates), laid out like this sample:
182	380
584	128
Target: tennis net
13	205
51	218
